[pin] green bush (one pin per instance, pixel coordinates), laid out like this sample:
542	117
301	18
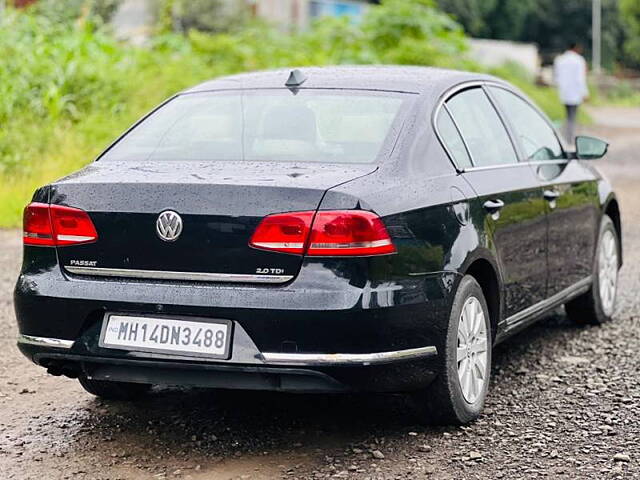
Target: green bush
205	15
70	11
67	88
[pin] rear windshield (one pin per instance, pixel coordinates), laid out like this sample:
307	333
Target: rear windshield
265	125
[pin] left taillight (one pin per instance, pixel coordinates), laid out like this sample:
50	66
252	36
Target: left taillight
56	225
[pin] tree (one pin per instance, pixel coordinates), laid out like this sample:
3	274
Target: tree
508	18
413	32
551	24
472	14
630	14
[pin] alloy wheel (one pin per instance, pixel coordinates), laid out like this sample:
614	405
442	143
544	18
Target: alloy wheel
472	350
608	271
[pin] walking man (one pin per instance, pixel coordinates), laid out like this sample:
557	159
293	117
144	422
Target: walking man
570	71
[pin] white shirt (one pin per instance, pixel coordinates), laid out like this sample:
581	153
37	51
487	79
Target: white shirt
570	71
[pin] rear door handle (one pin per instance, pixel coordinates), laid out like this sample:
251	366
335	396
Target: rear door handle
551	195
493	206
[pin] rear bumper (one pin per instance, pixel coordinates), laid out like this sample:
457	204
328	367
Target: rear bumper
303	373
362	334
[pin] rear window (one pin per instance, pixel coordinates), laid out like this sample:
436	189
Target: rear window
265	125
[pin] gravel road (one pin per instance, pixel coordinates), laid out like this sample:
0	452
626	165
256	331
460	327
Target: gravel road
564	403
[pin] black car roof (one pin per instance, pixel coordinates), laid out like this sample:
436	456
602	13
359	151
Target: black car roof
419	80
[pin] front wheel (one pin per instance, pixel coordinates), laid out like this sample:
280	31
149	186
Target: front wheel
458	394
597	306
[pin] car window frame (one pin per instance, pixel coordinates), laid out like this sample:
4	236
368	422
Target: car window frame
484	85
540	113
445	111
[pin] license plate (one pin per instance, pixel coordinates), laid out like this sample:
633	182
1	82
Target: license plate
201	337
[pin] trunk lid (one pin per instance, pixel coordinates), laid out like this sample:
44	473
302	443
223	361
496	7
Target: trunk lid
220	205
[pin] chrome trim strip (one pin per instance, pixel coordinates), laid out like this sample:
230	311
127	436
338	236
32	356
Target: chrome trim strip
497	166
278	244
45	342
333	359
75	238
292	359
558	299
186	276
346	246
523	163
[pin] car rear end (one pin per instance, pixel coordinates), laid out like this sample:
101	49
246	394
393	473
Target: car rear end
186	256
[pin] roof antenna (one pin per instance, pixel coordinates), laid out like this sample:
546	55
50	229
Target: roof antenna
296	78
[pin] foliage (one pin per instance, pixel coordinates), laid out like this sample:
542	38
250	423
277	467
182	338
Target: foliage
510	18
472	14
65	92
412	32
556	24
397	31
67	88
69	11
551	24
204	15
630	12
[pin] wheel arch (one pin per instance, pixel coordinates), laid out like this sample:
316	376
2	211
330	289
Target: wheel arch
612	210
485	273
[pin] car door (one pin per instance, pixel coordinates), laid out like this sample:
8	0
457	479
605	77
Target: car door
570	191
509	198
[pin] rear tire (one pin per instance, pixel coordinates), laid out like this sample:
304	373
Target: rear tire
597	306
114	390
458	393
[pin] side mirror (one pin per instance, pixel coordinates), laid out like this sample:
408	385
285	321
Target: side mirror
590	148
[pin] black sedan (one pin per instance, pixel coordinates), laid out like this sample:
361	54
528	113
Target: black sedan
318	230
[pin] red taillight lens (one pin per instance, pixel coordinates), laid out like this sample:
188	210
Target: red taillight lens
283	232
354	233
37	225
55	225
328	234
72	226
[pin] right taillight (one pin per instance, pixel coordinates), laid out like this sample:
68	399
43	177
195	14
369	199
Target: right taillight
354	233
57	225
325	233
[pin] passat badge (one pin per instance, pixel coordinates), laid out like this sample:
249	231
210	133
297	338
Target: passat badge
169	226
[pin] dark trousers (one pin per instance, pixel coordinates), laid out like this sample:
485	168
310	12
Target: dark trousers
570	128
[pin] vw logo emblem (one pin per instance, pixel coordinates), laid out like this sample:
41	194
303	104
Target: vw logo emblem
169	226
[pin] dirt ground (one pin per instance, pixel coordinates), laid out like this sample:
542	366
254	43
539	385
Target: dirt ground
564	403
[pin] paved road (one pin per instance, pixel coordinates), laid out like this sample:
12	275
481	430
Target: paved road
564	402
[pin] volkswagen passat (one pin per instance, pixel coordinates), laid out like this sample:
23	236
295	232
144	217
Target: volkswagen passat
325	230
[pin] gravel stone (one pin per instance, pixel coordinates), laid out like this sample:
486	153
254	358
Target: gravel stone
621	457
377	454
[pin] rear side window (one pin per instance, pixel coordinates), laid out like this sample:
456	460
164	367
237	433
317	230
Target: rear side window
482	129
452	139
536	135
320	126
